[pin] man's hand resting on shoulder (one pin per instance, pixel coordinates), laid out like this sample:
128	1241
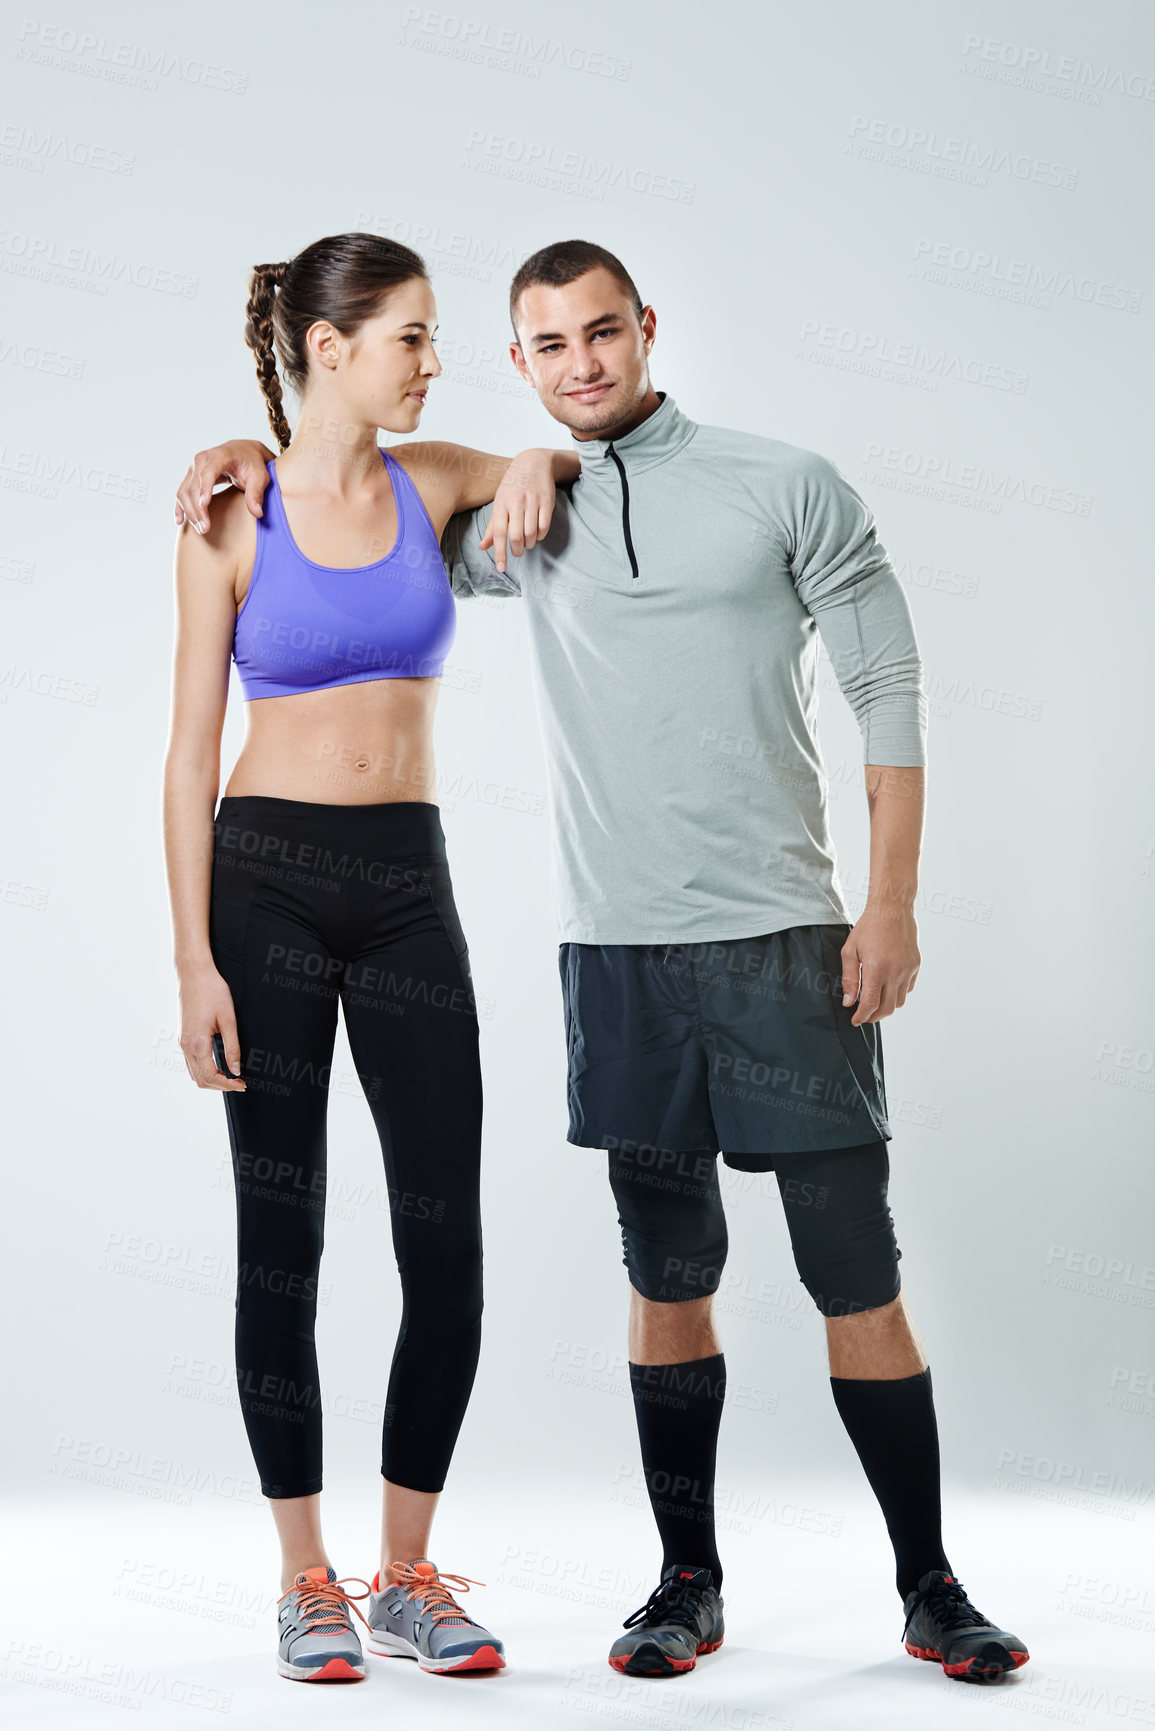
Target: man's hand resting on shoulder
241	461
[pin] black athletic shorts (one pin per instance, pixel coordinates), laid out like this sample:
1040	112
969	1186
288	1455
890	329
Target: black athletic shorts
742	1047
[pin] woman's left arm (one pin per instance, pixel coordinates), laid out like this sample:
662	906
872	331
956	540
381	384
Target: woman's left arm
453	478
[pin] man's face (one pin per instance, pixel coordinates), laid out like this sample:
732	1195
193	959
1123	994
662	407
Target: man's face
584	351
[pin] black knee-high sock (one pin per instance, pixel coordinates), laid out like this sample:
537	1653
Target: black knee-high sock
892	1426
678	1409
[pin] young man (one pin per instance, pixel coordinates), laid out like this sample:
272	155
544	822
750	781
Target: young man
717	996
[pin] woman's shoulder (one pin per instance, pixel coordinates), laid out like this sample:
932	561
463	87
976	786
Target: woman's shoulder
229	543
433	469
423	459
235	523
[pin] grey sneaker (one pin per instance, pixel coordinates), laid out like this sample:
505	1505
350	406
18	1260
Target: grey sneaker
420	1619
318	1641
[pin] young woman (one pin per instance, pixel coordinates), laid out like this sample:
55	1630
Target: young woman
323	879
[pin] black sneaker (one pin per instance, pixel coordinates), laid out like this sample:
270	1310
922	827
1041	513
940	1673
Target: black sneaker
681	1618
941	1623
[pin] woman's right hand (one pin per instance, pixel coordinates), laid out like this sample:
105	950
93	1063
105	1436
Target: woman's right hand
241	461
206	1008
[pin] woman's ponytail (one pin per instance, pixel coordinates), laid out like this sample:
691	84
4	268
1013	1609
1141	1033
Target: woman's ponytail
263	284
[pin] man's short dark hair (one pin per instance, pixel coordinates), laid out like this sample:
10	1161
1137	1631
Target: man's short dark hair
564	262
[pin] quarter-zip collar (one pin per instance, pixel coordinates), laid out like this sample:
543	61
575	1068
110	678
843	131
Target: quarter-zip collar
658	437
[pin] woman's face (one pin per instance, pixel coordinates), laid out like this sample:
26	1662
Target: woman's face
381	374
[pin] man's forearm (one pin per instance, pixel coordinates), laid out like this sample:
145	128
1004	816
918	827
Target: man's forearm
476	475
564	466
897	801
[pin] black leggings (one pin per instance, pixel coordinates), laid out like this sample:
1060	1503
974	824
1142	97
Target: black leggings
311	904
674	1237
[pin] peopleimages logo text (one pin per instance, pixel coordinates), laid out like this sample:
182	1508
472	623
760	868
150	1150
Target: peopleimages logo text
1040	63
83	51
1015	273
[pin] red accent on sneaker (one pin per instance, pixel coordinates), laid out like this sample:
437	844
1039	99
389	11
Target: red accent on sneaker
335	1671
968	1667
621	1662
486	1658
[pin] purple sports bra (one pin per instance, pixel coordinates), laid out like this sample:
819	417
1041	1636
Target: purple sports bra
306	627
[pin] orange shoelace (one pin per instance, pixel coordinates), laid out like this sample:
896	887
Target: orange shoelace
431	1592
319	1598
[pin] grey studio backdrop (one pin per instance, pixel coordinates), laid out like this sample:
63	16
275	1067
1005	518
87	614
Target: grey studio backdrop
905	236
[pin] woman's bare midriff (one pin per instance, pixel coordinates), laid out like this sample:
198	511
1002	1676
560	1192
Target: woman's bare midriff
363	744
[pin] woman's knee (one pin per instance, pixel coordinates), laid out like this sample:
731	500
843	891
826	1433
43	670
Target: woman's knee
442	1279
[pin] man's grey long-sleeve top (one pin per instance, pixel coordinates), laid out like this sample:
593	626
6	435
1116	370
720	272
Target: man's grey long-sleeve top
674	613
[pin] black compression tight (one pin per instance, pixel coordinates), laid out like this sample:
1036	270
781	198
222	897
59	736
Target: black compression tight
315	905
